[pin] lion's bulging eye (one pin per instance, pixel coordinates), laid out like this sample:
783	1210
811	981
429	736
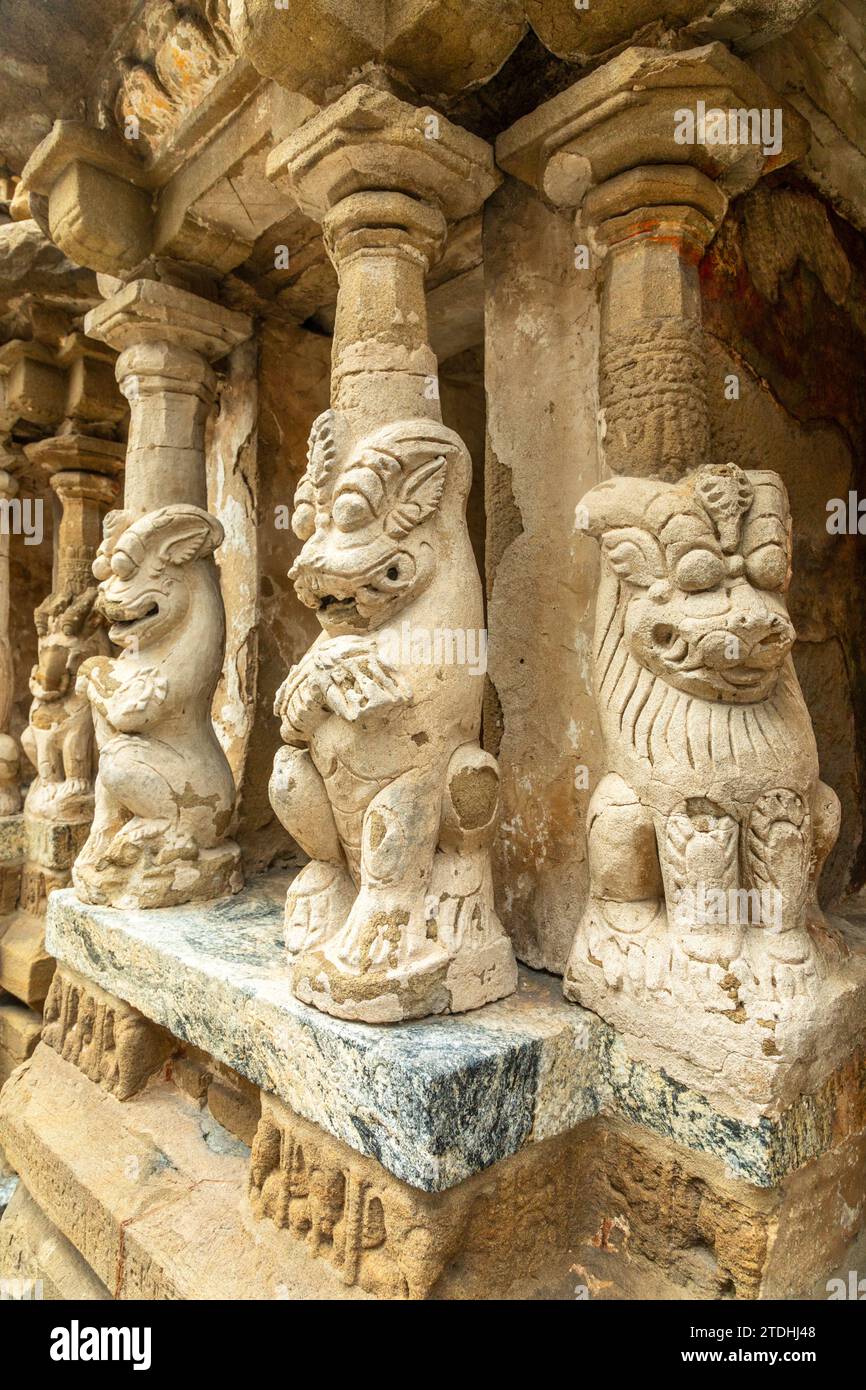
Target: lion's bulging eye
700	569
767	567
351	511
122	565
304	520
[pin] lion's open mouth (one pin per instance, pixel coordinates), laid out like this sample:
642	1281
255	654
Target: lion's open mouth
123	627
744	676
348	602
338	609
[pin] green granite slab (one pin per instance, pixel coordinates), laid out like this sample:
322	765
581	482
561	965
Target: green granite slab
434	1101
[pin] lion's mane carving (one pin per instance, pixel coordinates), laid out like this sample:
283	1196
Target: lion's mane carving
708	833
383	783
164	790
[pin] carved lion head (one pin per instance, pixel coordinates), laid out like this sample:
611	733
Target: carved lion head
369	514
144	570
695	578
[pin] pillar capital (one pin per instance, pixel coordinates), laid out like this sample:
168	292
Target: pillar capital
149	311
76	453
647	151
384	178
369	139
83	472
166	338
647	107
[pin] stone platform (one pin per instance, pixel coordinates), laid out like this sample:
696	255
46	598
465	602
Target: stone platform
437	1101
252	1147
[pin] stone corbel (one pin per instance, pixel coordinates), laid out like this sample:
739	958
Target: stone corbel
382	781
165	795
33	388
93	403
100	204
315	47
581	32
615	147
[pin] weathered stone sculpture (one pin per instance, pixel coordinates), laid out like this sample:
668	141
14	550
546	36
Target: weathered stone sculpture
709	831
59	737
165	793
70	629
384	784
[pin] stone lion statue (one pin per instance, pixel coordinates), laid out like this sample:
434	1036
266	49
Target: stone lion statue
383	783
708	833
164	790
58	739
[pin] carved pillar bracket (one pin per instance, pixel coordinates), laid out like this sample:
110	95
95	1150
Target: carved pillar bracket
648	150
165	795
384	178
382	781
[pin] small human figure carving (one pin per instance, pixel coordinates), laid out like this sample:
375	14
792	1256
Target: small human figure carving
59	737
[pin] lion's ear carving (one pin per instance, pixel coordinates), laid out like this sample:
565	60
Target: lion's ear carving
634	555
418	498
190	538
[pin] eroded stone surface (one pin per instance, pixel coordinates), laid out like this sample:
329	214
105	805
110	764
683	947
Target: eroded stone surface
437	1101
154	1208
107	1040
382	781
33	1251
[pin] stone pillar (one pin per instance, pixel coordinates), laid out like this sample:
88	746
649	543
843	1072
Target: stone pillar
541	330
11	461
649	195
382	781
711	800
654	223
58	740
63	399
165	793
605	154
82	473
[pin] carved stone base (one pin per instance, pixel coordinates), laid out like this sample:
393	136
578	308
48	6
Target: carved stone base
445	1098
213	873
713	1030
169	1205
472	978
45	853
